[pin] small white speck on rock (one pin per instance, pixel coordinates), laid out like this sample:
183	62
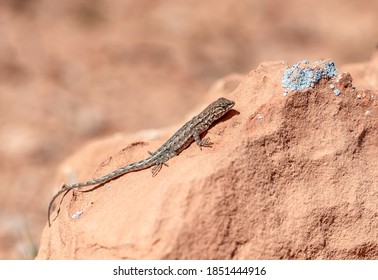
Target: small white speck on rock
77	214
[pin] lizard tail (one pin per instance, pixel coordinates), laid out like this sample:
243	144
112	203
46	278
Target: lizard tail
115	174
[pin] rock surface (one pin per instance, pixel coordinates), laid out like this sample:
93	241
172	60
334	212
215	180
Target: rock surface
72	71
288	177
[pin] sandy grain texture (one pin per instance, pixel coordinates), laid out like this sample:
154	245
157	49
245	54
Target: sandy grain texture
290	177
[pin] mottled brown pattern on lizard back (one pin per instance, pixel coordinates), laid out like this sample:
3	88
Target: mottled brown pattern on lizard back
188	133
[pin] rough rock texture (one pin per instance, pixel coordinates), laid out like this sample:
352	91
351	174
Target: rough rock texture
292	177
75	70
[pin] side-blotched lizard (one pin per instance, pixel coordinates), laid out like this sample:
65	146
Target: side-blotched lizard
190	132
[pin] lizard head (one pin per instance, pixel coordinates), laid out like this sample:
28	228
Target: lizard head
220	107
225	103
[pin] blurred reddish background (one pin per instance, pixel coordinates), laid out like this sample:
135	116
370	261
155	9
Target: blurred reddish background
74	70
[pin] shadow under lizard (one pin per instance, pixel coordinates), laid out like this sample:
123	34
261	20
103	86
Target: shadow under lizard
187	134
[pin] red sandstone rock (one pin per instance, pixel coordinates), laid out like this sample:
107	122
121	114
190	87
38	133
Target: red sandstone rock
292	177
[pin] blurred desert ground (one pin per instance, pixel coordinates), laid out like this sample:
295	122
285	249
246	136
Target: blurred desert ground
75	70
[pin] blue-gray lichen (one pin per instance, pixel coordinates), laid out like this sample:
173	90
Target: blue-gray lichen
303	75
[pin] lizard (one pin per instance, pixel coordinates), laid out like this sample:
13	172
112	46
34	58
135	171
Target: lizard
188	133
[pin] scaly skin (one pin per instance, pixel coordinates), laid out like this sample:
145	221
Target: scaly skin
187	134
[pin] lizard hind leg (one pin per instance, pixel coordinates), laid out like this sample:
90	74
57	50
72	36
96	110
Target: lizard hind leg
162	162
156	169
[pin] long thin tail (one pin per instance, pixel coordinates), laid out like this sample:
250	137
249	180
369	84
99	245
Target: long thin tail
143	164
53	199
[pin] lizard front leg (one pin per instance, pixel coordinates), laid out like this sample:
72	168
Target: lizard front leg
201	143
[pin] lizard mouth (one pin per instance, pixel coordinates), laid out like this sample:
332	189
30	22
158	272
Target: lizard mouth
232	103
